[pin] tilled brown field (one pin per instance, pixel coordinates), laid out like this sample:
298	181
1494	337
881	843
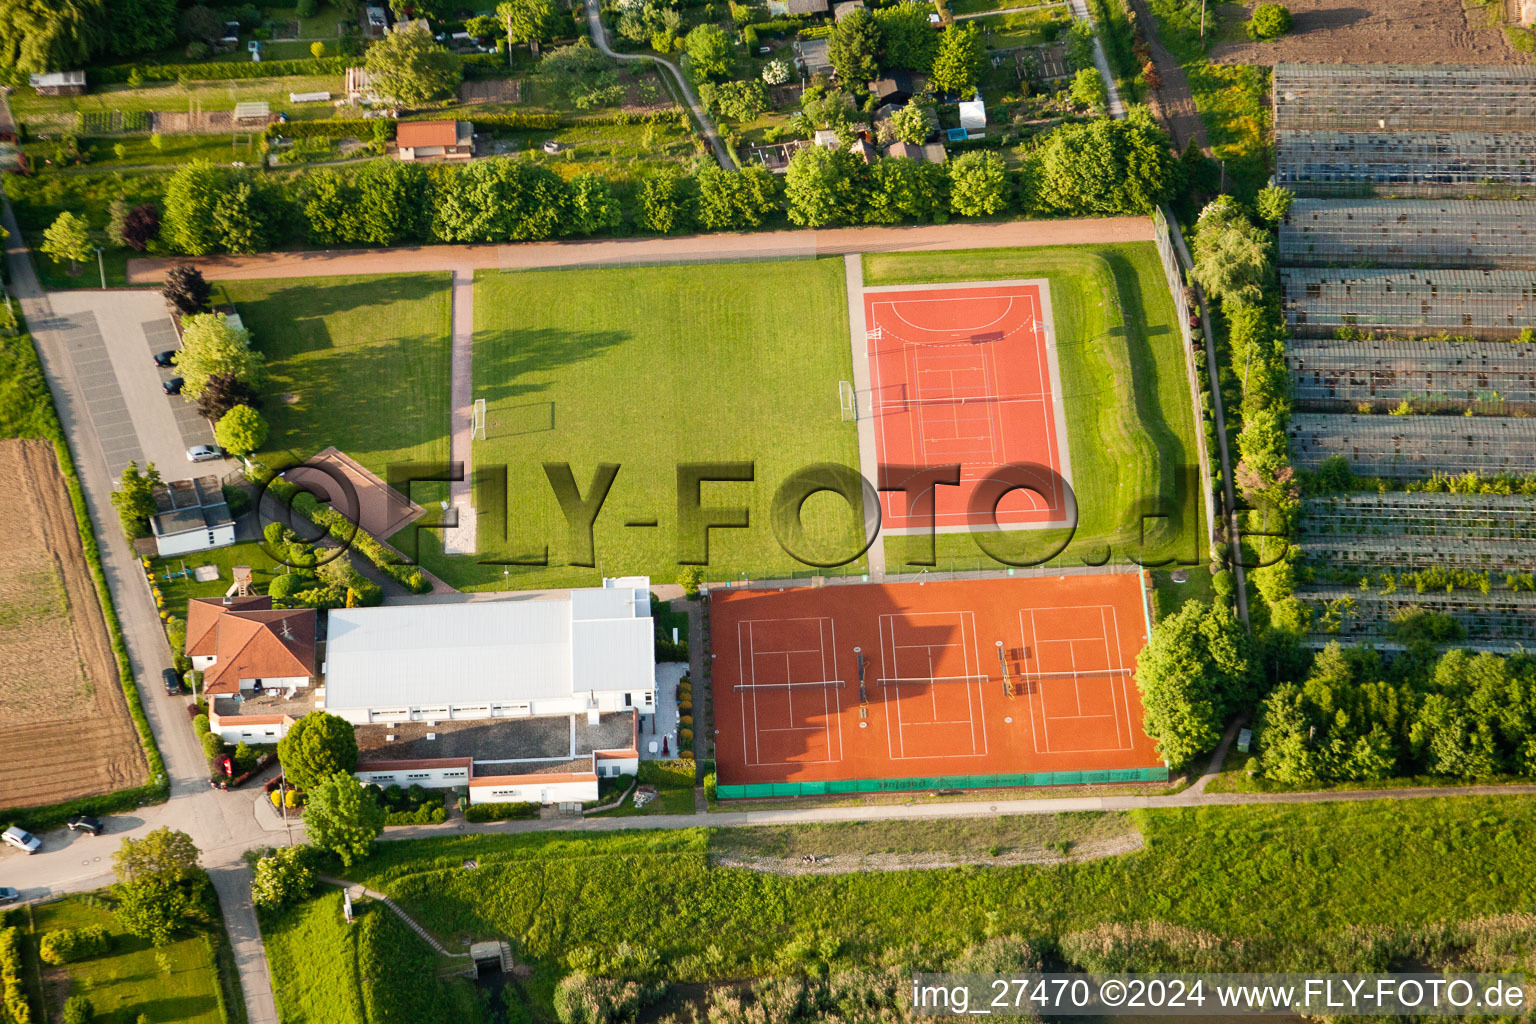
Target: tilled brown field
1373	32
64	725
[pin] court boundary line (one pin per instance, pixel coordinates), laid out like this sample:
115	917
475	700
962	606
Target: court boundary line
1047	360
1119	698
976	702
752	755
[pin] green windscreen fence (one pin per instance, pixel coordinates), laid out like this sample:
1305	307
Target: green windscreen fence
757	790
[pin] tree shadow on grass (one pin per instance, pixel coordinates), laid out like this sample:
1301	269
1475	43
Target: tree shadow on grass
504	358
291	320
1173	494
361	401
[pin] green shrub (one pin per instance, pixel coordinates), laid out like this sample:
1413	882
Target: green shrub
684	740
332	128
79	1010
1269	21
67	945
667	773
13	994
220	71
500	812
213	745
1520	39
686	721
200	725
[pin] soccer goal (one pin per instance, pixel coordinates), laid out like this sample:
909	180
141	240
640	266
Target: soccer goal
479	422
849	401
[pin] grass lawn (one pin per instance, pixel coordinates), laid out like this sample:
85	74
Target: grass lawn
1168	596
358	362
178	590
952	835
374	970
1024	28
1130	424
172	96
648	368
313	958
978	6
130	980
1217	888
138	152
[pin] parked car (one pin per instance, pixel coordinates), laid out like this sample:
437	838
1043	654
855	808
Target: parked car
86	823
172	386
8	895
204	453
20	838
167	358
172	682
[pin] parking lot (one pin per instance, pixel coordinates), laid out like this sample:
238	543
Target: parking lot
112	338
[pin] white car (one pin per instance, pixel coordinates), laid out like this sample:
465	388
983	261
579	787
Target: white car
20	838
204	453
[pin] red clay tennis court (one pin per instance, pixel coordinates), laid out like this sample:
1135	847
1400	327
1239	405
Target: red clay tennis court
972	683
964	373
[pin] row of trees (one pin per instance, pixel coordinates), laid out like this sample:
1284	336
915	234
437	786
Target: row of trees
1233	262
1353	718
1093	168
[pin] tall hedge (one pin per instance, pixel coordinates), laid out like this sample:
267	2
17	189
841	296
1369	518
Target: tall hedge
13	993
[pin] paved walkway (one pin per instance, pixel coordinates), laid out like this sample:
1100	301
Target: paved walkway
600	37
221	828
1116	106
869	465
461	539
765	245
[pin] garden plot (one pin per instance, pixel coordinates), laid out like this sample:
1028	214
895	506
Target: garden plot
64	725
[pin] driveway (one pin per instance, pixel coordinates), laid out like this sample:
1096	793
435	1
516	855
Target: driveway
110	339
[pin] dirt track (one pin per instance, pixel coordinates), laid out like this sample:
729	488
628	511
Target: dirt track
788	244
1372	32
66	731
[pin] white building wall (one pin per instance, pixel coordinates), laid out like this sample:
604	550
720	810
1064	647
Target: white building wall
194	540
203	662
618	766
606	702
535	793
428	778
232	730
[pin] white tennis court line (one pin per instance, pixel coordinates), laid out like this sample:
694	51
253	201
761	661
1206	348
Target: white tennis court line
975	694
983	454
1120	706
1055	426
831	701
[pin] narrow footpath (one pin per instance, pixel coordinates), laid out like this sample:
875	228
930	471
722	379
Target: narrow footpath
600	37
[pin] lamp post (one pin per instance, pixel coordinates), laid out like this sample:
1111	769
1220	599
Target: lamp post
101	265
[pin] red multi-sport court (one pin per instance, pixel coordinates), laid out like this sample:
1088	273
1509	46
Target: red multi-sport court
940	697
966	373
